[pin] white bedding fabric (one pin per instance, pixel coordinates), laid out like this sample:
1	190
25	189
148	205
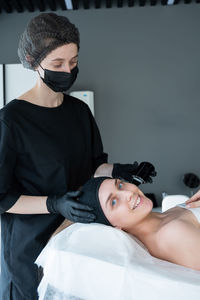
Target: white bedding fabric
98	262
170	201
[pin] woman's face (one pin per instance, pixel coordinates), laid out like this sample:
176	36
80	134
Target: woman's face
62	59
123	203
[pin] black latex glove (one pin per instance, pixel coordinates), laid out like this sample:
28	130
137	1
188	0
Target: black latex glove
124	171
134	173
69	207
144	172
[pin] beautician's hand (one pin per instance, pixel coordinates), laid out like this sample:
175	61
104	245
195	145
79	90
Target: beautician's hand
128	171
69	207
194	201
124	171
145	171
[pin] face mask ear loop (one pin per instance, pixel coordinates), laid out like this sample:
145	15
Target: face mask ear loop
40	66
38	71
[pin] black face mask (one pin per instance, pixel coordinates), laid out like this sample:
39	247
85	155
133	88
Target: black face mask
59	81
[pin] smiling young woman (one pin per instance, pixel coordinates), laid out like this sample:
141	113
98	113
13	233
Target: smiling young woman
123	205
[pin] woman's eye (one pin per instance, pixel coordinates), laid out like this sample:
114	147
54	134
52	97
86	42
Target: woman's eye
120	185
73	62
113	202
57	66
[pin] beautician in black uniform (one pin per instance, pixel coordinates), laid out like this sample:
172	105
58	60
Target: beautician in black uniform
49	146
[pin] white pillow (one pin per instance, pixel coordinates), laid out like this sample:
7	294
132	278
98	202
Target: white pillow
170	201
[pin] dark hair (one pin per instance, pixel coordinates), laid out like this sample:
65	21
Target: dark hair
43	34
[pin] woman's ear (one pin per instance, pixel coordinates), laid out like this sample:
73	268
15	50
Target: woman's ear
28	58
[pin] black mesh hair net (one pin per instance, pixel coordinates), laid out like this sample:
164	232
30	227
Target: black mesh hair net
43	34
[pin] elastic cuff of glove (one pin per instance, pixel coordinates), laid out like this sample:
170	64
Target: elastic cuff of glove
50	206
115	170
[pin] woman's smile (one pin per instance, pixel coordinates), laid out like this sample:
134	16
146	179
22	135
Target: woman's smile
135	201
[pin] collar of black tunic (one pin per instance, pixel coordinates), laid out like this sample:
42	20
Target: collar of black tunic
25	102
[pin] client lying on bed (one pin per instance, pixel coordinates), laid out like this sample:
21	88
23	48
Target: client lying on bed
173	235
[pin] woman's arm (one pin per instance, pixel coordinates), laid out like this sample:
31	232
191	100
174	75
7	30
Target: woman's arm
66	205
104	170
29	205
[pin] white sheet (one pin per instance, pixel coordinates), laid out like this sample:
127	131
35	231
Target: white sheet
98	262
170	201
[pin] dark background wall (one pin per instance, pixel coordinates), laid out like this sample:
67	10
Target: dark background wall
143	66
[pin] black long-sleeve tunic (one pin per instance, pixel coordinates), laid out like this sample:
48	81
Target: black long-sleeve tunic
43	151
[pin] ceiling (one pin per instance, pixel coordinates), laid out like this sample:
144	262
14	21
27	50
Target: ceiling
20	6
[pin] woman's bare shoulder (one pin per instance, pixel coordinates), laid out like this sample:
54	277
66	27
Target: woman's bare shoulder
173	228
179	242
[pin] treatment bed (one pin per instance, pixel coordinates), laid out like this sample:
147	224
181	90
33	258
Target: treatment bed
98	262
